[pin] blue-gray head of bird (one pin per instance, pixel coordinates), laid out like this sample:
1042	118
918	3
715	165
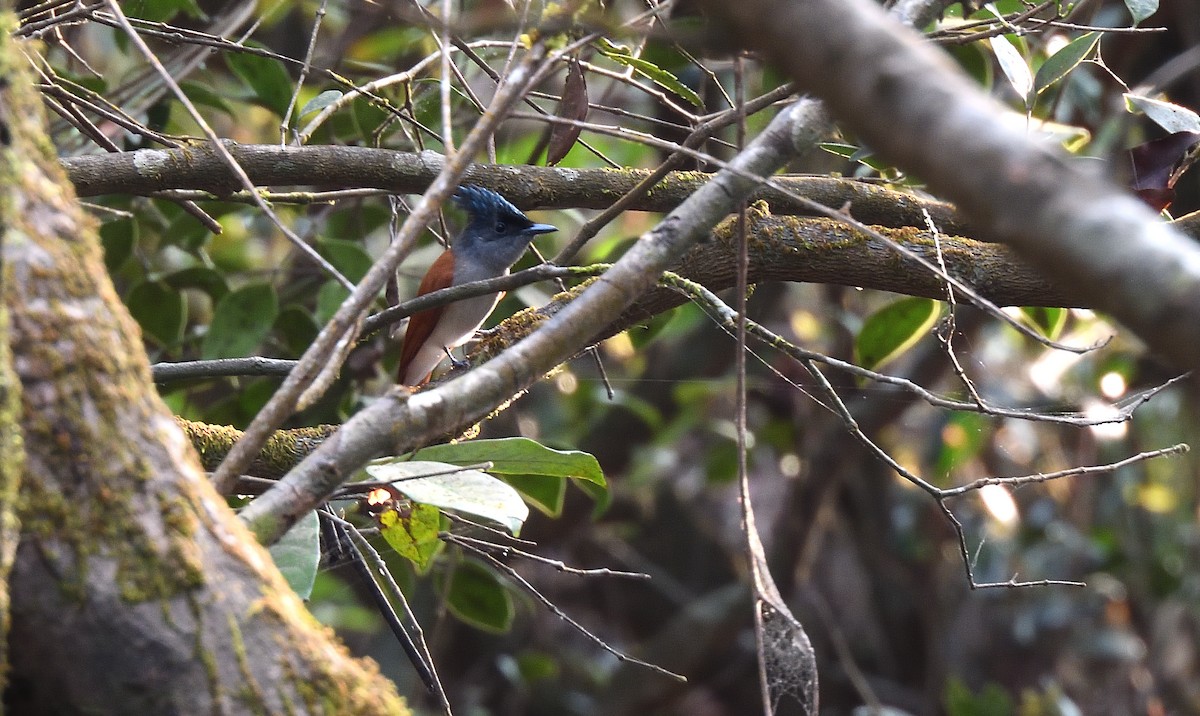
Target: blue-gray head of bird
497	233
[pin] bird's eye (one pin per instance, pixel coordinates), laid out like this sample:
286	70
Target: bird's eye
500	227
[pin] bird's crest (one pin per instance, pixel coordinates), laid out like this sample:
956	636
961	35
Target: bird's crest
480	202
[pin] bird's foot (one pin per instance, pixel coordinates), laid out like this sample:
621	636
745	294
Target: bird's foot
456	363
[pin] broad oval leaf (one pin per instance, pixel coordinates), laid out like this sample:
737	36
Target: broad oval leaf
210	281
412	532
478	597
203	95
266	77
118	238
241	320
1171	117
297	553
519	456
296	328
1065	60
893	329
330	298
159	310
545	493
1141	9
468	491
346	256
1014	66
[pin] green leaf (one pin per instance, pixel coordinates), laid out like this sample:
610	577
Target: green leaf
468	491
544	493
1171	117
207	280
1014	66
203	95
1068	58
320	102
346	256
241	321
1048	320
855	153
601	496
893	329
661	77
992	700
297	554
412	531
159	310
164	10
266	77
118	238
477	597
297	329
330	297
519	456
1141	9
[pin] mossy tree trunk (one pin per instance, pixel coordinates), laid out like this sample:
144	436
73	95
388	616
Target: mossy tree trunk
134	589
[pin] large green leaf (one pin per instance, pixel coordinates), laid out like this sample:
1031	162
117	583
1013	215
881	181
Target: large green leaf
893	329
266	77
346	256
159	310
412	530
1065	60
118	237
241	320
545	493
208	280
477	596
330	297
519	456
201	94
468	491
297	554
296	328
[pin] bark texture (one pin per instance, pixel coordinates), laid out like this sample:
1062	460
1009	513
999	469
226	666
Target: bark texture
906	100
135	589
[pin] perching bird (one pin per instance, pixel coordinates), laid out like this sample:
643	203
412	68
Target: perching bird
496	235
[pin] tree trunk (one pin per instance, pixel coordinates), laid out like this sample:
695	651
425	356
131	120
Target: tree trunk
135	590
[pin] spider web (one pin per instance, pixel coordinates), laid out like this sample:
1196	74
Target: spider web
786	660
787	665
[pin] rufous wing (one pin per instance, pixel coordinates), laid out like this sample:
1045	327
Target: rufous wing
421	325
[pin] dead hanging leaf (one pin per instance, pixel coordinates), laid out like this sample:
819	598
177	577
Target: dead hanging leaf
1159	163
573	106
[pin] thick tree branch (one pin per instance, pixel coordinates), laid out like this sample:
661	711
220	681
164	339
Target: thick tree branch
148	171
913	106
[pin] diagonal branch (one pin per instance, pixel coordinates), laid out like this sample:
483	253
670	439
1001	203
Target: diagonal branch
907	101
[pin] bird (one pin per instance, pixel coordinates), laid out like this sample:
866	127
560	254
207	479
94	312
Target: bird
496	235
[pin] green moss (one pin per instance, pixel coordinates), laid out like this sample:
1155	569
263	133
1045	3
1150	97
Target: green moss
250	692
